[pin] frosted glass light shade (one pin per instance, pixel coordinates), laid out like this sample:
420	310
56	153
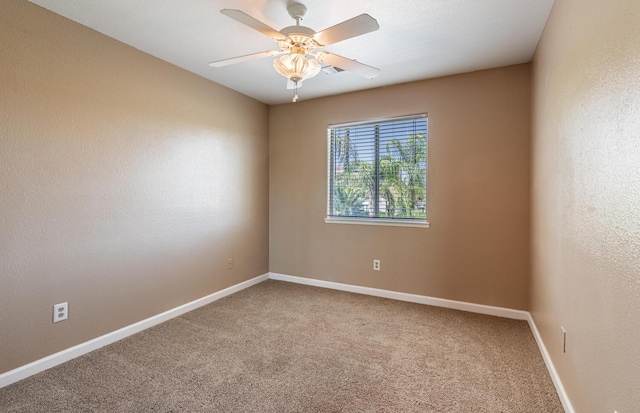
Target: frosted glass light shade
296	67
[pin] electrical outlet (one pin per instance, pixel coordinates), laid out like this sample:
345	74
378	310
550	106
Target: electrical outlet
60	312
376	265
564	339
229	263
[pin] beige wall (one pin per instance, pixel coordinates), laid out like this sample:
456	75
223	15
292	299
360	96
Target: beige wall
477	248
125	183
586	200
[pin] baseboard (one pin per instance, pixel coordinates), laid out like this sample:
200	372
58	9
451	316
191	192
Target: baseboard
412	298
45	363
53	360
562	394
441	302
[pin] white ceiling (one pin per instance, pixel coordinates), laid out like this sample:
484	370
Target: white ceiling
418	39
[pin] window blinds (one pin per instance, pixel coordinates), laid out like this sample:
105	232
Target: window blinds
379	169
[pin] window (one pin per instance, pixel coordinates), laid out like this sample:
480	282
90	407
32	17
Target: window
378	171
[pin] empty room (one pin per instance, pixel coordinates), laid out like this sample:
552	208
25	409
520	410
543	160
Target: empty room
320	206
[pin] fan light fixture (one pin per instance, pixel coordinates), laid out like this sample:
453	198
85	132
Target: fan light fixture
298	42
296	67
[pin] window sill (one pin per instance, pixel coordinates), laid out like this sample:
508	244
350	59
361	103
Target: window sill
376	221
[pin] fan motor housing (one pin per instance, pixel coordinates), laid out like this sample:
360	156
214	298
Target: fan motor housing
298	37
291	30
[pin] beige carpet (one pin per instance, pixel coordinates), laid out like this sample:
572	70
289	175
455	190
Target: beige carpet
280	347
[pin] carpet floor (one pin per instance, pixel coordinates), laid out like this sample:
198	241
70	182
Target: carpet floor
281	347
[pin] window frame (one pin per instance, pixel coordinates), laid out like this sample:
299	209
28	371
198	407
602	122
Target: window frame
368	220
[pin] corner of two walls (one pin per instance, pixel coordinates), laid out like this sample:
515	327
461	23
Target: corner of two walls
125	184
477	249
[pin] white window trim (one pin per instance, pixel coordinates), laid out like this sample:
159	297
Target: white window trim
377	221
371	221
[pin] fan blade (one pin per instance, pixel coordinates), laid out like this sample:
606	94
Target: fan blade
255	24
291	85
245	58
347	64
347	29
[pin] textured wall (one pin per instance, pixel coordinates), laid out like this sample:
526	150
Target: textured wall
586	200
125	183
477	248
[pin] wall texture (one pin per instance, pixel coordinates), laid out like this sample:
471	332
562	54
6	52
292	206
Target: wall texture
477	249
125	183
586	200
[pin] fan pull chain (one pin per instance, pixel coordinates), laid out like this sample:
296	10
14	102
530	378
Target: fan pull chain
295	91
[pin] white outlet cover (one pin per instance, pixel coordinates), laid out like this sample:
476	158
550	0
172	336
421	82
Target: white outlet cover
60	312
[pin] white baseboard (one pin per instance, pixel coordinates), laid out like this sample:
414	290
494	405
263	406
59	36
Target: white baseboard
562	394
412	298
441	302
45	363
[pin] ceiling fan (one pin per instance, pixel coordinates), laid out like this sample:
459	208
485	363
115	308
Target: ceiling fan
298	42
